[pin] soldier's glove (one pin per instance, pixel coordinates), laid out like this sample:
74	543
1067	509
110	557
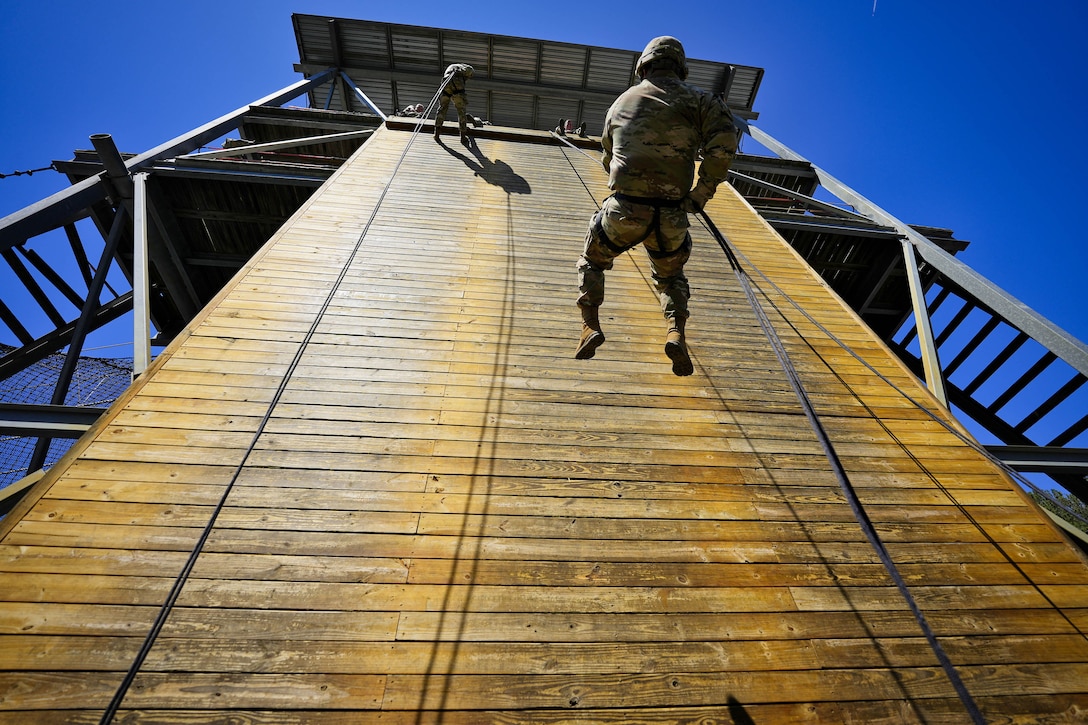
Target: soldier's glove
690	205
697	198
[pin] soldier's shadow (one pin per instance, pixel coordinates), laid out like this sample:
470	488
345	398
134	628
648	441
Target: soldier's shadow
497	172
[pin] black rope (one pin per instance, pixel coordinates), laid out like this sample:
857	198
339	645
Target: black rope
29	172
575	169
965	439
840	473
183	576
1016	475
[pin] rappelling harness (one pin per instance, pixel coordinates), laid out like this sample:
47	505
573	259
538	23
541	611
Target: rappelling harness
654	227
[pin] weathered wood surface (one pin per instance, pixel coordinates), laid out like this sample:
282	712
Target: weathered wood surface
446	518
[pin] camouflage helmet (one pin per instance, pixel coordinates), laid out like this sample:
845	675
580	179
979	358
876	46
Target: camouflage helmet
663	48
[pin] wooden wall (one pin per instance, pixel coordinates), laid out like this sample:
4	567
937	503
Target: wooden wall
406	502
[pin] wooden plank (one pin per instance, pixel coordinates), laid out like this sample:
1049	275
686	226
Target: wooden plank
94	690
714	690
929	710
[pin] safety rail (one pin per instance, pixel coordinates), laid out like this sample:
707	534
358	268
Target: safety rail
983	353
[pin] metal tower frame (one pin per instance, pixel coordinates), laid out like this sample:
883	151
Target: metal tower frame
137	228
984	329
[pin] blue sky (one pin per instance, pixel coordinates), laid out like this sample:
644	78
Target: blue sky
966	115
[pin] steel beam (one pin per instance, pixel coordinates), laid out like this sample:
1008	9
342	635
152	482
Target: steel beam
167	262
930	362
41	348
979	337
275	145
251	174
831	226
32	286
53	421
79	335
51	274
169	235
1043	459
362	96
214	129
80	254
64	207
141	305
807	201
8	318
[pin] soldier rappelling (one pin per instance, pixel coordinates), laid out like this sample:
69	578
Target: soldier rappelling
652	135
454	89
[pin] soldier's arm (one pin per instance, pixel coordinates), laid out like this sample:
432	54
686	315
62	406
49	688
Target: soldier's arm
719	149
606	145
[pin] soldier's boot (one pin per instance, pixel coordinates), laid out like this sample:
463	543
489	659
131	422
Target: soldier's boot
592	337
437	130
676	347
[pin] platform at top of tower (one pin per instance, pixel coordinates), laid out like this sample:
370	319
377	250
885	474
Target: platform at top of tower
524	82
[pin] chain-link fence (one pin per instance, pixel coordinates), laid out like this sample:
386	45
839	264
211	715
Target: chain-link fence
97	382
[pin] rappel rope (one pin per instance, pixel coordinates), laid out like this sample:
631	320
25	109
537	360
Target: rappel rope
183	576
1016	475
840	472
836	464
573	168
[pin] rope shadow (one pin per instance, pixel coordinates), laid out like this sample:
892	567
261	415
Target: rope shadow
452	624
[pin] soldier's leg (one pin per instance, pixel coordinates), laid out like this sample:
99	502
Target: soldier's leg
440	114
672	288
674	292
460	102
616	228
596	259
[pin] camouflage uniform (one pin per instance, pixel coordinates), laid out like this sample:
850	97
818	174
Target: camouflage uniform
454	90
652	135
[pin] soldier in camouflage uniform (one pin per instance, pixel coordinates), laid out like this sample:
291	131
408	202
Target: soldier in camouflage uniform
454	89
652	135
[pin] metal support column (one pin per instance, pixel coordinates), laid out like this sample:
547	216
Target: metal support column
930	363
141	306
362	96
79	335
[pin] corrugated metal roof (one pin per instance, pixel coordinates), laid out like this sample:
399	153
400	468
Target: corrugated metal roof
519	82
